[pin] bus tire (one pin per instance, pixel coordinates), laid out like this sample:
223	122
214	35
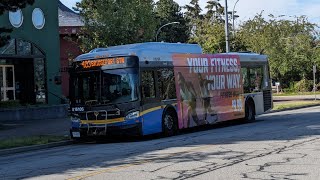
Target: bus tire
169	123
249	111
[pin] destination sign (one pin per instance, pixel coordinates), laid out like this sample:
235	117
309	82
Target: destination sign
102	62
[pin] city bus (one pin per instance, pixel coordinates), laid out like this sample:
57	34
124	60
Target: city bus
157	87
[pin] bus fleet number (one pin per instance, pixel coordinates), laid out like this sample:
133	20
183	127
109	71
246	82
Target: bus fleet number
237	105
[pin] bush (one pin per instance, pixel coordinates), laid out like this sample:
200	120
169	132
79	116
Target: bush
303	85
290	89
318	86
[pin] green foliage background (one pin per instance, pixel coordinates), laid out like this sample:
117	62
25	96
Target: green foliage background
291	45
116	22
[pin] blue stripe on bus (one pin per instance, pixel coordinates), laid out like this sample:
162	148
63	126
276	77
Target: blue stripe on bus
152	122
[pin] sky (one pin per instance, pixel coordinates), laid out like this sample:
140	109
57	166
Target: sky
247	9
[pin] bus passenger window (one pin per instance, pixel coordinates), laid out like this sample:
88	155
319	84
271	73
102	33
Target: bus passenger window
252	79
256	77
147	82
166	83
245	80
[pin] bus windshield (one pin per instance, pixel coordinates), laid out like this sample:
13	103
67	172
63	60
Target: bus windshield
107	86
119	85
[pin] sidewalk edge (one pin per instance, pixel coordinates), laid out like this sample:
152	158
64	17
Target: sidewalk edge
17	150
293	108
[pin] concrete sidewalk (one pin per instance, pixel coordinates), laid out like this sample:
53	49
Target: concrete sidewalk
14	129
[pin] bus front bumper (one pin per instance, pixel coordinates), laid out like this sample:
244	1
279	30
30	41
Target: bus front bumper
126	127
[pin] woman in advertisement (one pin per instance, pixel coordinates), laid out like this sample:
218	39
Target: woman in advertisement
188	98
206	101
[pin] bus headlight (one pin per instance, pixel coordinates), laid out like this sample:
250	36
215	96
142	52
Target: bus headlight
133	115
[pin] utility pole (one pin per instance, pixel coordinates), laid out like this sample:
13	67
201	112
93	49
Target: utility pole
226	26
233	17
314	81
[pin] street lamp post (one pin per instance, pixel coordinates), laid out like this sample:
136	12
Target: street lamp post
226	26
158	31
233	15
314	70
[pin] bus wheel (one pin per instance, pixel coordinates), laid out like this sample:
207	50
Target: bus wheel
249	112
169	123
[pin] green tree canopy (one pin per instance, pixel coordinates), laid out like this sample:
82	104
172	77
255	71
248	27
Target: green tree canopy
169	11
208	29
214	10
193	10
289	44
13	5
116	22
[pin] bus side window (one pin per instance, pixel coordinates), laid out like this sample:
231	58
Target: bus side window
245	79
148	85
256	77
166	83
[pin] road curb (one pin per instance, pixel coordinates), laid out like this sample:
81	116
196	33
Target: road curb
17	150
293	108
11	151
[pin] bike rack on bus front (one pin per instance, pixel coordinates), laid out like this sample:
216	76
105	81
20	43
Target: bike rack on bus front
96	113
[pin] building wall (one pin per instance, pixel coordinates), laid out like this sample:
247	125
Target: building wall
47	39
69	49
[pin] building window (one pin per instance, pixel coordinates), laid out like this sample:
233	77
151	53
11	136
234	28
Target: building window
16	18
9	48
23	47
39	79
38	18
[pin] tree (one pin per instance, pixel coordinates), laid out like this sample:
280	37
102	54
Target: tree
193	17
116	22
208	29
214	10
290	45
10	5
13	5
168	11
193	10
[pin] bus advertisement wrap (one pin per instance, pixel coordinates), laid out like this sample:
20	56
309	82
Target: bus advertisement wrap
208	87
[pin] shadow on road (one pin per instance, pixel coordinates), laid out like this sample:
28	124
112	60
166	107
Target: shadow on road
281	126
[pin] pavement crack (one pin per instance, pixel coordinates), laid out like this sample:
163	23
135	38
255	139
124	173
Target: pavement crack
245	158
158	169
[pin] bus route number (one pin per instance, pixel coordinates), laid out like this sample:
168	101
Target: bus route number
237	105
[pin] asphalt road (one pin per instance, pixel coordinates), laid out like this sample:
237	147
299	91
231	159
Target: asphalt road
282	145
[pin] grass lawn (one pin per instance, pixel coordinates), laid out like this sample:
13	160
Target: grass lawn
28	141
294	104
